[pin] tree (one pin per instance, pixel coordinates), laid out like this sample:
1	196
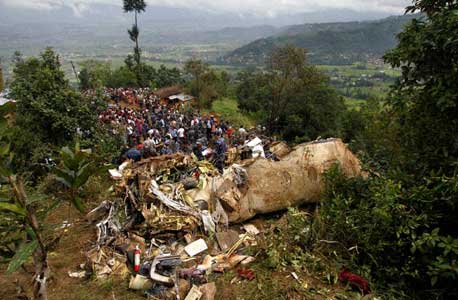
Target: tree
49	112
196	68
1	77
94	74
74	172
204	82
164	77
425	98
409	205
293	97
136	6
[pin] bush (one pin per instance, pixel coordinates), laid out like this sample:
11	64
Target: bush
395	233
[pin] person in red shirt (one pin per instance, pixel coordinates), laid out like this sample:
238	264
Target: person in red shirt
230	132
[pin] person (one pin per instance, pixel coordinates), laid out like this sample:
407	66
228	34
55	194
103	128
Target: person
229	132
197	150
220	151
242	133
134	154
209	129
181	135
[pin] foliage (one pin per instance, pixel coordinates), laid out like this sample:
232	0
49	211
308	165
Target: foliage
397	226
425	98
206	85
398	235
48	110
136	6
1	78
122	77
21	256
227	109
96	74
293	97
74	172
329	43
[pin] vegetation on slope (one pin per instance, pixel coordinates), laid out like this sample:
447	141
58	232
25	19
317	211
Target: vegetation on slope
335	43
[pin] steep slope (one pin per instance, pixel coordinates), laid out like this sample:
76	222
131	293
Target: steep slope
329	43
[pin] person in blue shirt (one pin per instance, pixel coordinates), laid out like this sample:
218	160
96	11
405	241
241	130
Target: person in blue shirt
220	153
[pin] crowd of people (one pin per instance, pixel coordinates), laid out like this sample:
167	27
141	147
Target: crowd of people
134	97
153	129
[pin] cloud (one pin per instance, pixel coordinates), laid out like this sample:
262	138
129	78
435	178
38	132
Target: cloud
258	7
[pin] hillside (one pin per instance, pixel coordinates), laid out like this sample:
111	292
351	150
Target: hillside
328	43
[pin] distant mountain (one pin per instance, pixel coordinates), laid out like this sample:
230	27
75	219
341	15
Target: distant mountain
167	33
327	43
197	18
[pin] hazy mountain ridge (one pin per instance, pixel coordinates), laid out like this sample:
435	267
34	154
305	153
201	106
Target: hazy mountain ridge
198	18
328	43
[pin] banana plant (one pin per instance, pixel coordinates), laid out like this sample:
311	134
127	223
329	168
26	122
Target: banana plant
16	203
74	171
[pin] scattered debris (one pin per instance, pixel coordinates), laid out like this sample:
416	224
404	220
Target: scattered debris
250	228
246	274
80	274
196	247
163	200
208	291
356	281
140	283
194	294
226	239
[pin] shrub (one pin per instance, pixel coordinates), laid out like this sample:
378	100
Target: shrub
395	233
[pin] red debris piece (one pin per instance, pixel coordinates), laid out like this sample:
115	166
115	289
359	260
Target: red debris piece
246	274
354	280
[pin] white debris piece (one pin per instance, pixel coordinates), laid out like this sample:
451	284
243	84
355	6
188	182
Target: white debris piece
251	229
115	174
140	282
194	294
80	274
196	247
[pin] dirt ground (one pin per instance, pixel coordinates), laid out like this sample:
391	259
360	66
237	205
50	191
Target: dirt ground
269	283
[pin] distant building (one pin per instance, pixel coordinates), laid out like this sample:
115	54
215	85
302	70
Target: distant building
173	96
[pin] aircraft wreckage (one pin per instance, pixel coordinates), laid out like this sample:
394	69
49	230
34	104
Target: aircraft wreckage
177	192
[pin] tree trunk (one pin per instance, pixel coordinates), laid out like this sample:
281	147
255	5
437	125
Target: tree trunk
40	257
137	56
42	271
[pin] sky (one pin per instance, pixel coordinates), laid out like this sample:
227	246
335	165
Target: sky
258	7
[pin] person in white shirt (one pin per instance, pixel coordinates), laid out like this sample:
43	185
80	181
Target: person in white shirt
181	133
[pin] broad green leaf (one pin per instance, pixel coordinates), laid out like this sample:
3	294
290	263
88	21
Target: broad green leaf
65	176
78	204
13	208
21	256
4	149
4	171
83	175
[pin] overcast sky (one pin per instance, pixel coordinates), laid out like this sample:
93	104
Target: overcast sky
259	7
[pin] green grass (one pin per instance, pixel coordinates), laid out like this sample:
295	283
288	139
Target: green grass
352	103
228	110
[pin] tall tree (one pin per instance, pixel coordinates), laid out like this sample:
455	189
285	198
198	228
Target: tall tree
293	97
49	110
426	96
203	83
1	77
136	6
